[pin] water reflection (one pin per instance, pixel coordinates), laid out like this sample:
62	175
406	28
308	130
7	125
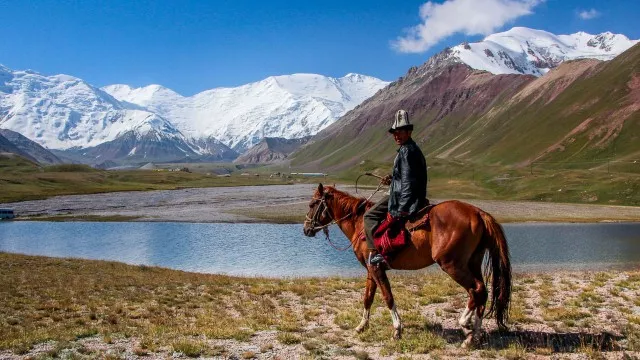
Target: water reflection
282	250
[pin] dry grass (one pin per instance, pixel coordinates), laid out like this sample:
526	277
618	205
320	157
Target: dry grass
77	309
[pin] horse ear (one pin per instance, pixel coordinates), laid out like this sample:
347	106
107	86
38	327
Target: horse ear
320	188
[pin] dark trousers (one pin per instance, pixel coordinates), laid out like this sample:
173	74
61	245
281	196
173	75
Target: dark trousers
373	217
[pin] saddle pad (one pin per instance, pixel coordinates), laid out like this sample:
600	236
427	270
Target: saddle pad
390	236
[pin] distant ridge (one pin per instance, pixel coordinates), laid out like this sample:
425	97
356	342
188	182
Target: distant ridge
30	148
271	150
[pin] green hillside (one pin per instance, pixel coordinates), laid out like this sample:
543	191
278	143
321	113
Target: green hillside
22	180
572	135
596	118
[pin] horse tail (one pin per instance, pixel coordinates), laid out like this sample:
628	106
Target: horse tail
499	267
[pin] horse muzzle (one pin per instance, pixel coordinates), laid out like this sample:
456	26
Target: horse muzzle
309	231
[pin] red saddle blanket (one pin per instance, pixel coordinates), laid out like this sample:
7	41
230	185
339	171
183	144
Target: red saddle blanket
390	236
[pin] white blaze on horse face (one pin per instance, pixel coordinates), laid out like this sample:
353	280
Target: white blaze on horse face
395	317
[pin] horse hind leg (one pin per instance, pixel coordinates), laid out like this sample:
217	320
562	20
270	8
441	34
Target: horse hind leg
475	311
471	318
369	293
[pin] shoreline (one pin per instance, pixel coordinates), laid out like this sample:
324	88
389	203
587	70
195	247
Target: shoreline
109	309
351	274
286	204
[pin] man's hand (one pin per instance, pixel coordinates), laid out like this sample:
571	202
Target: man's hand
386	180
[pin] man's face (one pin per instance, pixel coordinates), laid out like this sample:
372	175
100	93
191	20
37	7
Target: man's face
401	136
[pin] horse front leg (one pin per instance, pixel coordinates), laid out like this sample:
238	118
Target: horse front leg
381	278
369	293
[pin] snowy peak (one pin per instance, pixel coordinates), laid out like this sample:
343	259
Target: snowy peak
62	111
528	51
141	96
287	106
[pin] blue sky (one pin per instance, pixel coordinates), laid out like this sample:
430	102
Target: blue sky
190	46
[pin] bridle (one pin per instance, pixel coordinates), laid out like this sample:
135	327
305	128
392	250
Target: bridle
323	210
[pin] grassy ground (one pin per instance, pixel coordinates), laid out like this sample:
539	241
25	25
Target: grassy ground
22	180
92	309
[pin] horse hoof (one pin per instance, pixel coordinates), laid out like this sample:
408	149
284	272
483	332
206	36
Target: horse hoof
397	334
470	342
361	328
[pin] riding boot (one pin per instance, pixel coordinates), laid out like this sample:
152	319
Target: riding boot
374	258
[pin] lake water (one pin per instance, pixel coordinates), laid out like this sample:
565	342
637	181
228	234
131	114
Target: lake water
282	250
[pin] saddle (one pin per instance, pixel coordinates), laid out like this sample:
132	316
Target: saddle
392	235
420	218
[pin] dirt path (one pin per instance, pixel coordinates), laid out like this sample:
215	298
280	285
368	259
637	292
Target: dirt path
277	203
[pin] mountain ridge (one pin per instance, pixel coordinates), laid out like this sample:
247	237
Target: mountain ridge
582	110
65	112
288	106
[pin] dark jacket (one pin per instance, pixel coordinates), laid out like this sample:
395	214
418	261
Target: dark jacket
408	189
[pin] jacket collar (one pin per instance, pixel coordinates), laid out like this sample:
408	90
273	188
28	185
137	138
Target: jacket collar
409	142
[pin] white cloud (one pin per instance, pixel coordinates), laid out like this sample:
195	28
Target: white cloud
470	17
588	14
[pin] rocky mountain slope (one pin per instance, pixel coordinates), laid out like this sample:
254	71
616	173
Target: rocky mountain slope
583	109
7	147
30	149
271	150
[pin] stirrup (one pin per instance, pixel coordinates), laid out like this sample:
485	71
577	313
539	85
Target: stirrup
376	259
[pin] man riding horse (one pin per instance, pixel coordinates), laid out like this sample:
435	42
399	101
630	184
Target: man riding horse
408	185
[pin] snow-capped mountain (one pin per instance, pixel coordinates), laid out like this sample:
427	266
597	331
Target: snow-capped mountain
288	106
64	112
61	112
528	51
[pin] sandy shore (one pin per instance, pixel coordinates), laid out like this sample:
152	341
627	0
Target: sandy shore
277	203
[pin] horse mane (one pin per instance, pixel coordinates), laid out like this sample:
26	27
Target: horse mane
348	202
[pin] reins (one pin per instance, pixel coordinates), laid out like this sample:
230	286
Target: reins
314	220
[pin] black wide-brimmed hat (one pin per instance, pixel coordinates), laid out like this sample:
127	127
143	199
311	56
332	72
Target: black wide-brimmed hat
401	122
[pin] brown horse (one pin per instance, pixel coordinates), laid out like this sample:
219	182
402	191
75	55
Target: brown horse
456	237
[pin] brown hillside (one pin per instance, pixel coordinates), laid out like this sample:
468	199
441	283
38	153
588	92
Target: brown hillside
431	94
582	111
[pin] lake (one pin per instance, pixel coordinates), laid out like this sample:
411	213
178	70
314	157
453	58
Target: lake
276	250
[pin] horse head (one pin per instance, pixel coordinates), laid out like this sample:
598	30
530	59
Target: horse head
318	217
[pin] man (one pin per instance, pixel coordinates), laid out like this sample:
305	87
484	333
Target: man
408	184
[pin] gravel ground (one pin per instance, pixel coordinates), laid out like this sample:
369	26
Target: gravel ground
276	203
567	315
